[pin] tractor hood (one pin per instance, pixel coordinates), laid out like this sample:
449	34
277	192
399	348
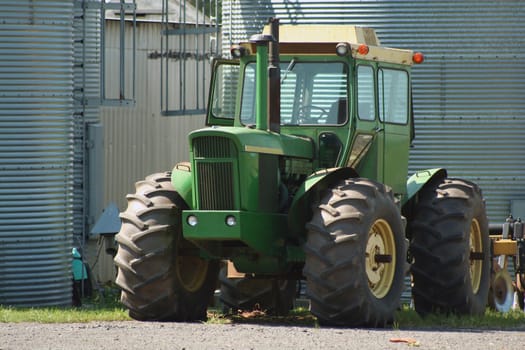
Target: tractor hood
260	141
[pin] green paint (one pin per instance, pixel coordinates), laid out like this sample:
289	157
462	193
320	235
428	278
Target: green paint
261	232
182	181
261	99
416	182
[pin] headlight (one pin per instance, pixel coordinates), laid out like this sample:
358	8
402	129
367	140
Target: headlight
237	51
192	220
342	49
231	220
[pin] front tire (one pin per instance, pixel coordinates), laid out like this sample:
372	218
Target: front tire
450	246
355	255
161	276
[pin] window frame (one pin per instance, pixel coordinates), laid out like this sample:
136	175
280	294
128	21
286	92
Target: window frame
380	97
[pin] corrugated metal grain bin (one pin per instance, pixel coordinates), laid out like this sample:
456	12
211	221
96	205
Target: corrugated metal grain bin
36	133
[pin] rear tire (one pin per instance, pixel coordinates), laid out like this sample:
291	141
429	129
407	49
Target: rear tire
450	247
159	283
355	255
275	297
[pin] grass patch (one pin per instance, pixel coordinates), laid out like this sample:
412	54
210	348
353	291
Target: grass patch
106	307
60	315
102	307
407	318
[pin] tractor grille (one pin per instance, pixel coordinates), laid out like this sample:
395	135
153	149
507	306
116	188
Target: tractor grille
215	160
215	186
213	147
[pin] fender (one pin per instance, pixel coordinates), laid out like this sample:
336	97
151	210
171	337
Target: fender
311	188
420	178
181	181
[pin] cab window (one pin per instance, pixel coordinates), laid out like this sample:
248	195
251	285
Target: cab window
312	93
223	95
365	93
393	96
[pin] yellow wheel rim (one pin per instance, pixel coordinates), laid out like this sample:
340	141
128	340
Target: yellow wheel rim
380	258
191	272
476	248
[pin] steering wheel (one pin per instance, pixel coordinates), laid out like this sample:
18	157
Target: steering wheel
311	119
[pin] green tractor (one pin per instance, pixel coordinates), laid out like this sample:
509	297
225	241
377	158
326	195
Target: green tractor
301	175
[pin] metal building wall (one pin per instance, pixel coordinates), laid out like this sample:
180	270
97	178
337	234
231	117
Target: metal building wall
468	95
87	116
138	139
36	150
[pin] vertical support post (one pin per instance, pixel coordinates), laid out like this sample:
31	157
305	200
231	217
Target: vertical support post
122	47
122	6
274	77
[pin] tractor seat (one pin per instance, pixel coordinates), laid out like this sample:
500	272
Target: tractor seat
337	112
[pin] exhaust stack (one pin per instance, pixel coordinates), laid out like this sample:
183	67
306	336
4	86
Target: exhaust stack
274	77
268	74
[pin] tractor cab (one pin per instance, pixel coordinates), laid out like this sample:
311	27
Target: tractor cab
337	87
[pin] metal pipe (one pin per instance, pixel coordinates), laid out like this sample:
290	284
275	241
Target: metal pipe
261	89
274	76
122	49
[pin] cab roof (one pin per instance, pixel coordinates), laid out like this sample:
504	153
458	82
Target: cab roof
323	39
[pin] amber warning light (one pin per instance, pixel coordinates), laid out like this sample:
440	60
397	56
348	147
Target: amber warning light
363	49
418	58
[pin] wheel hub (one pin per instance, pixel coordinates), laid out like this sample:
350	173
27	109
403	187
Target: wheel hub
476	256
191	272
380	258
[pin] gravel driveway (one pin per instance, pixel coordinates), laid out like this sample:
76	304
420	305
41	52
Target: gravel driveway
177	336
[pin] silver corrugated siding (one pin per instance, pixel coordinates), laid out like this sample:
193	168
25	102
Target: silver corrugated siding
87	107
36	125
468	95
